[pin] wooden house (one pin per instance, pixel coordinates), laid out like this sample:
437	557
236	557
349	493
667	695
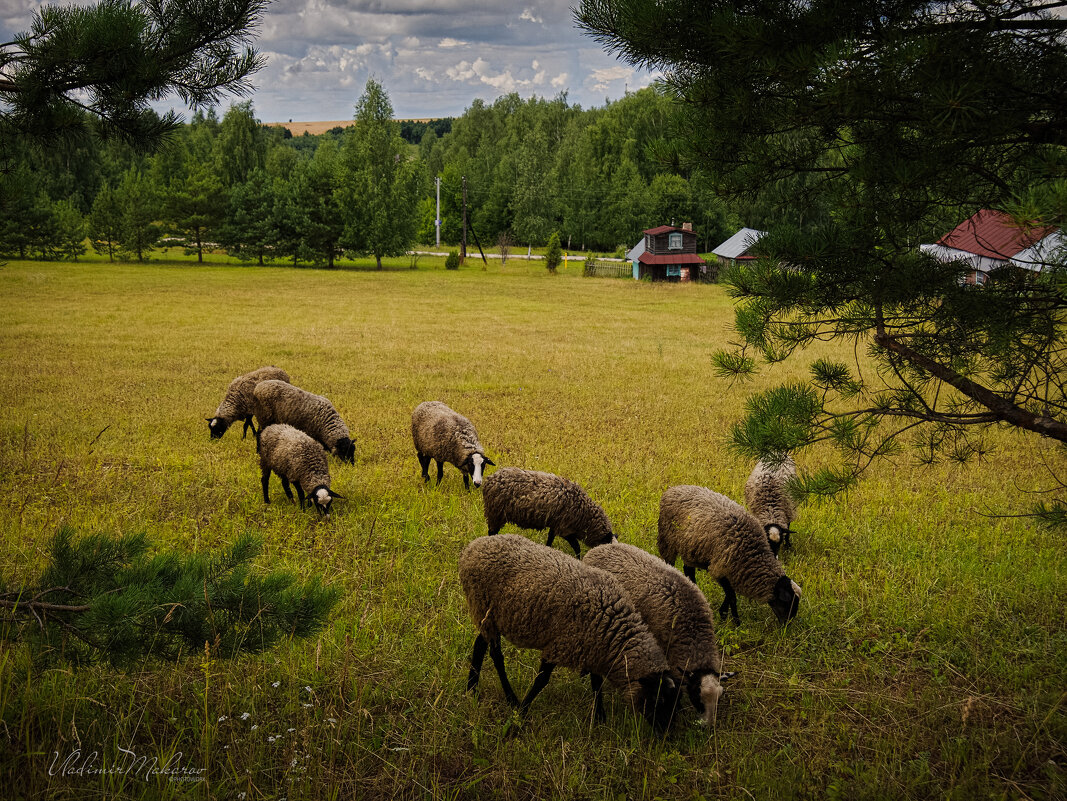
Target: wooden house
738	247
669	254
990	239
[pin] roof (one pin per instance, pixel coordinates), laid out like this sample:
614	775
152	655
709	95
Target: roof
993	234
636	251
666	229
666	258
738	244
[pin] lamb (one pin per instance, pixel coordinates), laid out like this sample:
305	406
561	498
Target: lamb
768	499
536	500
575	615
710	531
279	402
237	402
295	457
677	614
445	436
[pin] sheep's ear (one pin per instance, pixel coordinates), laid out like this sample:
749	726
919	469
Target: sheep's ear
727	676
209	419
334	494
490	462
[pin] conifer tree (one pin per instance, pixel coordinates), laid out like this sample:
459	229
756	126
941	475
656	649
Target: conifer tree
138	231
249	229
195	206
885	125
105	222
554	254
106	598
112	58
70	229
379	184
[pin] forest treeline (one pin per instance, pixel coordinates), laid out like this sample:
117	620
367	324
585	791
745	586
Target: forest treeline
534	167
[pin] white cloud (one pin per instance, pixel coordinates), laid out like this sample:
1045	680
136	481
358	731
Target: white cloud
601	79
434	57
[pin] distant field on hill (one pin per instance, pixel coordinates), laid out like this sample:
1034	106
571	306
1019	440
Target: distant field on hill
929	658
319	127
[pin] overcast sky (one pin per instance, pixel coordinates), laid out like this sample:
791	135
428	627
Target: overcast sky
434	57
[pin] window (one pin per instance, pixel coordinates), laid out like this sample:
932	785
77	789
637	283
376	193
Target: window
674	242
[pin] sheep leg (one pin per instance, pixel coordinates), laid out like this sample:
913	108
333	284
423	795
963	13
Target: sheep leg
539	682
574	544
248	425
440	472
730	601
551	537
285	486
690	572
266	481
498	661
481	645
424	463
299	493
597	683
466	481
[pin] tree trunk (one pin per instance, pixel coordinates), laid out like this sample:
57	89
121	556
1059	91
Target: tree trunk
379	260
997	404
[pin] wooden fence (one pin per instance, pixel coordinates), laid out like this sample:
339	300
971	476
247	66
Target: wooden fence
602	268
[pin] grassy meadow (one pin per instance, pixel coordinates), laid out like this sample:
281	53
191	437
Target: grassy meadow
929	659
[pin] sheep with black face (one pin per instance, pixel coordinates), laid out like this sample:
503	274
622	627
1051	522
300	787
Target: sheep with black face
536	500
712	532
279	402
237	402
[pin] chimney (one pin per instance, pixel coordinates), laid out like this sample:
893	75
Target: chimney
687	226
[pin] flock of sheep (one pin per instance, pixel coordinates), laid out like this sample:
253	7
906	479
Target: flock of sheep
620	613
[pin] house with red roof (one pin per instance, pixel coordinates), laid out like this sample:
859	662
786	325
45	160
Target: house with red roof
669	254
991	239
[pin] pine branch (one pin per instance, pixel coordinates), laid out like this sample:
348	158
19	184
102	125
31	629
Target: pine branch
137	606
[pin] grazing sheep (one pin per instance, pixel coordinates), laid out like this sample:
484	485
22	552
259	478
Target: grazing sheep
769	501
295	457
279	402
536	500
710	531
237	402
446	436
575	615
677	614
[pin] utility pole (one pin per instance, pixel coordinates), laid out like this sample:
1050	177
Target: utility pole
463	244
437	219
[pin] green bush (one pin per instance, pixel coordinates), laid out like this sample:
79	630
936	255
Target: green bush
452	262
555	253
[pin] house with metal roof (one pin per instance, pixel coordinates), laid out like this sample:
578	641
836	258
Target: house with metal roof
667	253
738	247
990	239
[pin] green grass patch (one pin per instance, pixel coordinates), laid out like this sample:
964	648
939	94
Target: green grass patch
929	659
